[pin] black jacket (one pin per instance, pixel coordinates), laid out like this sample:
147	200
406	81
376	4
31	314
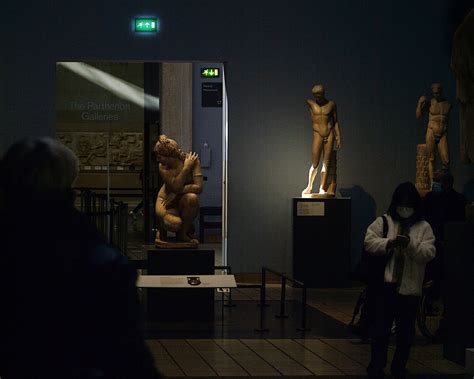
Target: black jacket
443	208
69	302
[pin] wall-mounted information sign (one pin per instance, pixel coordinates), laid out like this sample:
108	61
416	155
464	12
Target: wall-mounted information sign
211	94
146	25
210	72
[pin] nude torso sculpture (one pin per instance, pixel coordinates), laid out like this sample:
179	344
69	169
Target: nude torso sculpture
326	131
321	116
177	202
437	129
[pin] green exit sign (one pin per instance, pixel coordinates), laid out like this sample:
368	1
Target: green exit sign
146	24
210	72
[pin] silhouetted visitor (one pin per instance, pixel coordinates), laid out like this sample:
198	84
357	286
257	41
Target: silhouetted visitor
409	245
442	205
69	302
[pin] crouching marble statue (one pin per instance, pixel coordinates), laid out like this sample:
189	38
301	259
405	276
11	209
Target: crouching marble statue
177	202
326	134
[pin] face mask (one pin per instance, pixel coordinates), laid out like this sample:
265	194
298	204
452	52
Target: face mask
405	212
436	187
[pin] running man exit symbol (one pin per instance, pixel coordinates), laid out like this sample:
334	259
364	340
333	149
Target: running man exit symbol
146	25
209	72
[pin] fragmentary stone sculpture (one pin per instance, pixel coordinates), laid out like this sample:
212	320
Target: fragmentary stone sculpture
422	182
326	134
177	202
437	130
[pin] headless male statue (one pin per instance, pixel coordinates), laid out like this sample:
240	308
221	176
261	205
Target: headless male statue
325	131
437	131
177	202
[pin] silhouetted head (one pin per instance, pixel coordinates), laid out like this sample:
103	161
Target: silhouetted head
40	168
443	181
406	206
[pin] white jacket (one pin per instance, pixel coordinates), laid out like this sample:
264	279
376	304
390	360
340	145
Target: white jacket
418	253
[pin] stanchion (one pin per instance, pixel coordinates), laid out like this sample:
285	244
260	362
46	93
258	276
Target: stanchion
229	296
282	298
229	303
264	289
303	327
262	311
228	271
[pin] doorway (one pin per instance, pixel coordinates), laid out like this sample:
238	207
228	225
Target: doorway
111	114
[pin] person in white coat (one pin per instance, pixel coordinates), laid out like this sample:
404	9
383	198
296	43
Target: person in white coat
408	247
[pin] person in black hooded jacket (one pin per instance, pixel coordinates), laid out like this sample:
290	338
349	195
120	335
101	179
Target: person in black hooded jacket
69	302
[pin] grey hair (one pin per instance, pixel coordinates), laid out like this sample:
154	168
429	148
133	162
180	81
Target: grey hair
38	165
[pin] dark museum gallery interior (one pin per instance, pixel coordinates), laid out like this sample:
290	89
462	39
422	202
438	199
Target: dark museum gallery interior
201	187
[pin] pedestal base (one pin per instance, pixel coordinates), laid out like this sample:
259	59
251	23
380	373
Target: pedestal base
160	244
321	241
458	289
172	304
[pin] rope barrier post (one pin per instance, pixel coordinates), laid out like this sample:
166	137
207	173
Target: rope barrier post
282	298
222	309
111	224
229	296
303	327
82	201
125	228
263	289
263	293
262	309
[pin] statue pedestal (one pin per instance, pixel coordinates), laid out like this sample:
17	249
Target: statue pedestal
458	289
177	304
321	241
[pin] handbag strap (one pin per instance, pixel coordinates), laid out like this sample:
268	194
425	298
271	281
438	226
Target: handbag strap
385	234
385	226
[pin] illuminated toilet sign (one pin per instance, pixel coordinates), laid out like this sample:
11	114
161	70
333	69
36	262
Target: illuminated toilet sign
210	72
149	25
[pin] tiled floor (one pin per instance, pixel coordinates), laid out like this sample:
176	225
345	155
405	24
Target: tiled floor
285	357
270	357
306	355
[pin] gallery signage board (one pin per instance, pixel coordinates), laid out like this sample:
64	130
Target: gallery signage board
211	94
